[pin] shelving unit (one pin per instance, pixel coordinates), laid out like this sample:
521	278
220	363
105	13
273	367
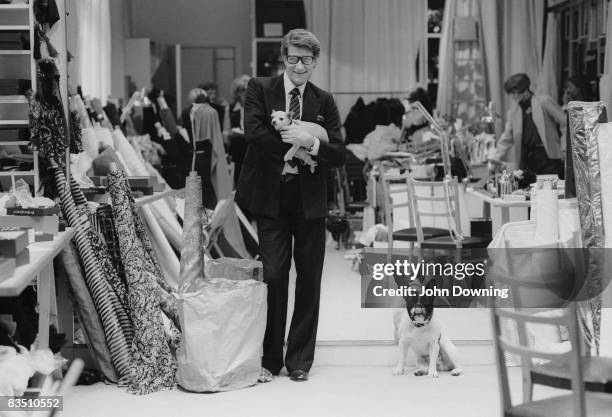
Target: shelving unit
16	64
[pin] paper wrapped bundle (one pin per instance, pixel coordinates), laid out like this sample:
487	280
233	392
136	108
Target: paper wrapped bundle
584	130
223	321
585	121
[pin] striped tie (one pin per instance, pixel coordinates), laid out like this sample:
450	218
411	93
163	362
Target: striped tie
294	108
294	104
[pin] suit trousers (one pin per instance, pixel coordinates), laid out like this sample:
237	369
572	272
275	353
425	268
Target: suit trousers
275	244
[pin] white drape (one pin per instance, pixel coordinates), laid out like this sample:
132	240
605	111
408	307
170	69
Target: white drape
548	81
446	60
92	69
367	46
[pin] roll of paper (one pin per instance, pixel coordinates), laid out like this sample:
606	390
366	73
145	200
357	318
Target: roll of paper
105	137
569	222
90	142
547	216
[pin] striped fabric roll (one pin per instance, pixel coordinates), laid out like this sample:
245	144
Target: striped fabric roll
77	195
96	282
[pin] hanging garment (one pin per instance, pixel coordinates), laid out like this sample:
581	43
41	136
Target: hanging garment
205	126
152	365
96	282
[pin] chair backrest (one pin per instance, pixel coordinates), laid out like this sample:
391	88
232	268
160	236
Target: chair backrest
522	317
446	194
387	180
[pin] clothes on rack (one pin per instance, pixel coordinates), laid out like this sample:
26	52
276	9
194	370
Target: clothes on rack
205	127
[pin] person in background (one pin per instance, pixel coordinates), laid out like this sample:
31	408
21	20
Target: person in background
235	133
532	137
577	88
216	102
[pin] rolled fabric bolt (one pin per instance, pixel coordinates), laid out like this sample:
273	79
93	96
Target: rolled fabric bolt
105	136
90	142
192	264
547	223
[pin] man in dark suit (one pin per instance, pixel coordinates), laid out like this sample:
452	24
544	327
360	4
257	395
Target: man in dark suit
288	202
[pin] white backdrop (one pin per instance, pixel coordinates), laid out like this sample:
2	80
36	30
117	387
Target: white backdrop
367	46
89	24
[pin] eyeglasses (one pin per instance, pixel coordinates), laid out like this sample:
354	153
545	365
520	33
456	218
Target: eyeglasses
294	59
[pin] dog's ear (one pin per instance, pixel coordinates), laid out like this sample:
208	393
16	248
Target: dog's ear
428	300
290	115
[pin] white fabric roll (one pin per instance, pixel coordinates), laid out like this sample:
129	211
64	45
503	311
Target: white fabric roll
569	223
105	137
604	142
547	217
168	262
90	142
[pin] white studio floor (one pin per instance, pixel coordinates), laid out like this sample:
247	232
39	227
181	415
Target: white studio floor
351	376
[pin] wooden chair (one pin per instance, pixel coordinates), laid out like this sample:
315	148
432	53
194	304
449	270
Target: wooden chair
597	370
578	403
450	210
409	234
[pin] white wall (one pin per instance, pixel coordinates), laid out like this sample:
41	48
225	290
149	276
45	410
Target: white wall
196	23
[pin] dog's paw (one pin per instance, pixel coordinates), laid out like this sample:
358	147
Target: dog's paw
398	370
419	372
456	372
432	373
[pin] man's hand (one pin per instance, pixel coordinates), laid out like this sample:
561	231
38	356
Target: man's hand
295	134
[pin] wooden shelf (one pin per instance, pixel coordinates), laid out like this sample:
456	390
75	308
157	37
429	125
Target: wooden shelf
17	173
5	28
21	99
14	143
14	6
41	253
18	123
15	52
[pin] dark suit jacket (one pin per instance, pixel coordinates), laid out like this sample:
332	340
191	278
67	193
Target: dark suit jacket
258	188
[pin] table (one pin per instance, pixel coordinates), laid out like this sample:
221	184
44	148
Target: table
41	268
504	205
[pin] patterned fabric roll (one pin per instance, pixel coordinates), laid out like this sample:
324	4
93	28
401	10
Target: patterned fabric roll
192	262
152	365
96	282
104	213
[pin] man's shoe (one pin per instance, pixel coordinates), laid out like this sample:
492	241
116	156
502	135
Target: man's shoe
265	376
298	375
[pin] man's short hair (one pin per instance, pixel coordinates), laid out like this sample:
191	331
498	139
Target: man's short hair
301	38
518	83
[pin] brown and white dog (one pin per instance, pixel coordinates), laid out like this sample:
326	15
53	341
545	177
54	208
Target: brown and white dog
417	329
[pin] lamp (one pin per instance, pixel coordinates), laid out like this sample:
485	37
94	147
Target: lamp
444	140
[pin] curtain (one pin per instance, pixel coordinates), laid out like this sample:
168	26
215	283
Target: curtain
91	23
367	46
523	38
605	84
548	82
489	12
446	60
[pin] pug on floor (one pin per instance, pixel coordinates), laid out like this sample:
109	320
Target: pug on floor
417	328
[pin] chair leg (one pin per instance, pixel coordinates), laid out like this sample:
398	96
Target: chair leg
527	389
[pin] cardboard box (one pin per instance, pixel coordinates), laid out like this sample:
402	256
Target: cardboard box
7	268
23	258
12	243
